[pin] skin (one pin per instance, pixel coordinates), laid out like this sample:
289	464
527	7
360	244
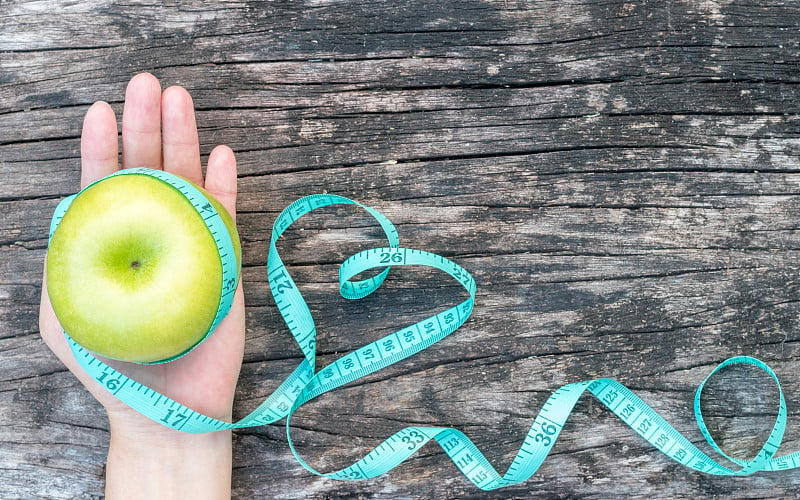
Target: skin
146	459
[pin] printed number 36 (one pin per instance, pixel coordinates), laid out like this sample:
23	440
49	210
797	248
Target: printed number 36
544	436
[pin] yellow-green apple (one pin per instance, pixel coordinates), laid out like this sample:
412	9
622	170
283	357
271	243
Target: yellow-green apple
133	271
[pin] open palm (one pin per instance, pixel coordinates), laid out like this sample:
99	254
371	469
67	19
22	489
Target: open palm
159	131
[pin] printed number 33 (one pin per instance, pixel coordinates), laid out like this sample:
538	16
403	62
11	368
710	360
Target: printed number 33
413	439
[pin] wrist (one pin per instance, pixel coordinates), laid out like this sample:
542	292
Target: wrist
149	460
149	436
125	422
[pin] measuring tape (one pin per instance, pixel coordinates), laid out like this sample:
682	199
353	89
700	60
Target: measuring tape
306	383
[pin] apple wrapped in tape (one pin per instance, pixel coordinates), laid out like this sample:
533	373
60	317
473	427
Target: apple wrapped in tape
142	265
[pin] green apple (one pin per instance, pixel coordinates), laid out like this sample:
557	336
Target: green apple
133	271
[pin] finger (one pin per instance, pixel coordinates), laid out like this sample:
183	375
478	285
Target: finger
181	147
221	177
141	123
99	146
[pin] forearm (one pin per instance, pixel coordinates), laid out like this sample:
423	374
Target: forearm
164	463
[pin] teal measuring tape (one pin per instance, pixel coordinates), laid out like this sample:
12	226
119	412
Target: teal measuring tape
306	383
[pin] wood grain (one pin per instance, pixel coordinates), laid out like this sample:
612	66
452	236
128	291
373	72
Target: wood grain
621	177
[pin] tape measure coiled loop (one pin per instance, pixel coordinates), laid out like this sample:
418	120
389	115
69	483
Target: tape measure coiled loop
306	383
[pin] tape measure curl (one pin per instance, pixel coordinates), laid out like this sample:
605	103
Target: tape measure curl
306	383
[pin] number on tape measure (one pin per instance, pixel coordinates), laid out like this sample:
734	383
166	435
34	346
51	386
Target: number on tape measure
306	382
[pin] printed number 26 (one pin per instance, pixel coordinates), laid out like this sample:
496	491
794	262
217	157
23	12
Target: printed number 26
388	258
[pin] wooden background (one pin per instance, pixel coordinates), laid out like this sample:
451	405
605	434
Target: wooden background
621	177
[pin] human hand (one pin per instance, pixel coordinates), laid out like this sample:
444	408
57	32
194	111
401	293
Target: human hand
159	131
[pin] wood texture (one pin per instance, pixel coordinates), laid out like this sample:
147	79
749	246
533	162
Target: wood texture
621	177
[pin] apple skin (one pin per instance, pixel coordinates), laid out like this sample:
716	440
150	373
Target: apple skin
133	272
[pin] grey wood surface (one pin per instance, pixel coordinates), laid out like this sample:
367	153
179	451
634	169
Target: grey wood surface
621	177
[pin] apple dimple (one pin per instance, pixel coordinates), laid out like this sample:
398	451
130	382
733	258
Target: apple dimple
131	259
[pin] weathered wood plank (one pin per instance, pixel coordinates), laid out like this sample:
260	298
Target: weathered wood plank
620	177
